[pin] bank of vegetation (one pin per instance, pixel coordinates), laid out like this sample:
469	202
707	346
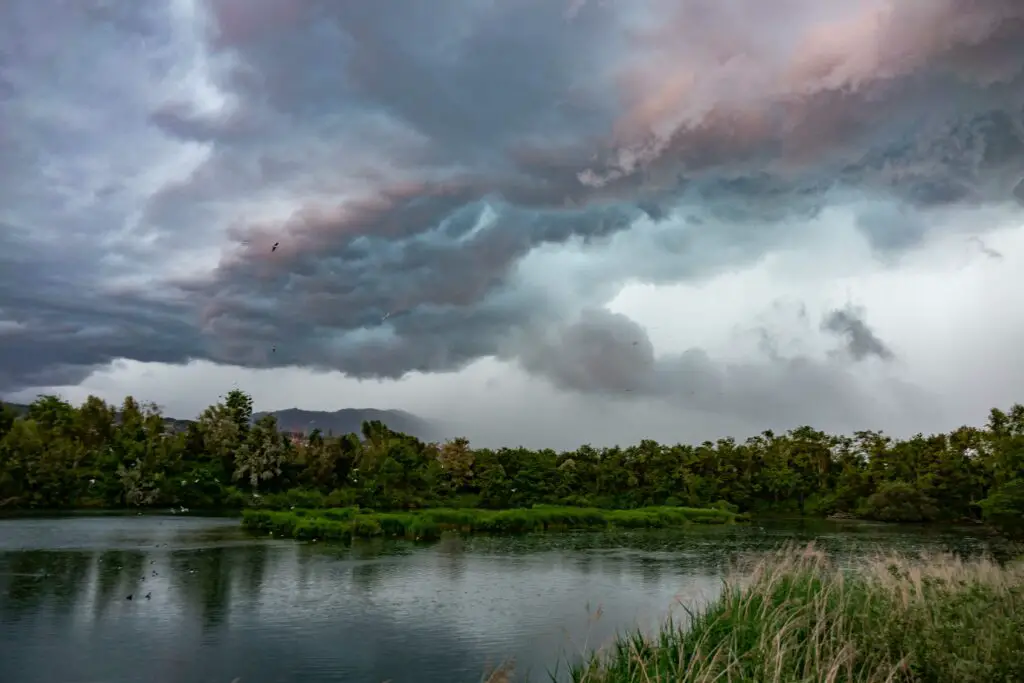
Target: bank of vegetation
56	455
799	619
345	524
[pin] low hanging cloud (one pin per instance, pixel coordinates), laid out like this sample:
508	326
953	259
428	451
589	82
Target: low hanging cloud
608	354
415	162
860	340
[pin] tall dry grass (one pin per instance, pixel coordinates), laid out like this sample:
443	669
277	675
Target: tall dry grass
796	617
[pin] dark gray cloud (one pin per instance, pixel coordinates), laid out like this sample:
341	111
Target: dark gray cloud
450	180
601	352
860	340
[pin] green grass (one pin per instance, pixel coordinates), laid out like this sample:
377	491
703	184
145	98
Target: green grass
796	618
344	524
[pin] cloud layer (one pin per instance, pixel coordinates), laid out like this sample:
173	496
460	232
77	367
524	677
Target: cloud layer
450	180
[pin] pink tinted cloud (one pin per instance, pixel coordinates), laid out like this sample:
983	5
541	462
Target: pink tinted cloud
755	71
241	21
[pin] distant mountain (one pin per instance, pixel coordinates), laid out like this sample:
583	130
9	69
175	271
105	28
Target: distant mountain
351	420
338	422
19	408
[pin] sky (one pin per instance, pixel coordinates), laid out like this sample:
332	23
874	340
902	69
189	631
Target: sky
534	222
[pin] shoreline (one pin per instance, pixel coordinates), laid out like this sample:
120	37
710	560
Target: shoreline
239	513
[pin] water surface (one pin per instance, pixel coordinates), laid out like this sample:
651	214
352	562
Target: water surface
224	606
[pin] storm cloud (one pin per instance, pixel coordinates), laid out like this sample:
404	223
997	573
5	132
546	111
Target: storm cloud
450	180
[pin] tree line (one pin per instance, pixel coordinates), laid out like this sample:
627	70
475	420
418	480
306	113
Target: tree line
96	455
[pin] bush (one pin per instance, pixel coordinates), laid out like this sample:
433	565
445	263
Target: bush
725	505
1004	507
898	501
341	498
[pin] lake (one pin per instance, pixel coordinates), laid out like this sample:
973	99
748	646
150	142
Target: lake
213	604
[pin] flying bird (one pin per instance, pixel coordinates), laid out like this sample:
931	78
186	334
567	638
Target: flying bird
274	248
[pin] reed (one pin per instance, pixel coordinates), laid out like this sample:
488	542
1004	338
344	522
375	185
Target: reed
796	617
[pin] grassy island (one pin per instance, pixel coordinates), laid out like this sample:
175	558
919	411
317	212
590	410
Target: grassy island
797	618
344	524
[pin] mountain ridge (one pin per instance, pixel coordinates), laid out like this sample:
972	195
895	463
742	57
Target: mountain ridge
342	421
346	420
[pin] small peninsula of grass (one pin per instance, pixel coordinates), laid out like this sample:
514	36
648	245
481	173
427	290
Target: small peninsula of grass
797	618
343	524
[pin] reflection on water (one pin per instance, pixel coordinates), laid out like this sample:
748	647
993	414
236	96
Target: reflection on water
169	599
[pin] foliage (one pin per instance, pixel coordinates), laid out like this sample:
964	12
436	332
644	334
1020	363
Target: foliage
798	618
344	524
899	501
96	455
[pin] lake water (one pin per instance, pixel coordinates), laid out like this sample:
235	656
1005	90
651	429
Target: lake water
226	607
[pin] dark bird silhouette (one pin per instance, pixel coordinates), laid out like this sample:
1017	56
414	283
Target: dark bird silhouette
148	595
274	248
128	598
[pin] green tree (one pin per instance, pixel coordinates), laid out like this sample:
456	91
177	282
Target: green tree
56	455
259	460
